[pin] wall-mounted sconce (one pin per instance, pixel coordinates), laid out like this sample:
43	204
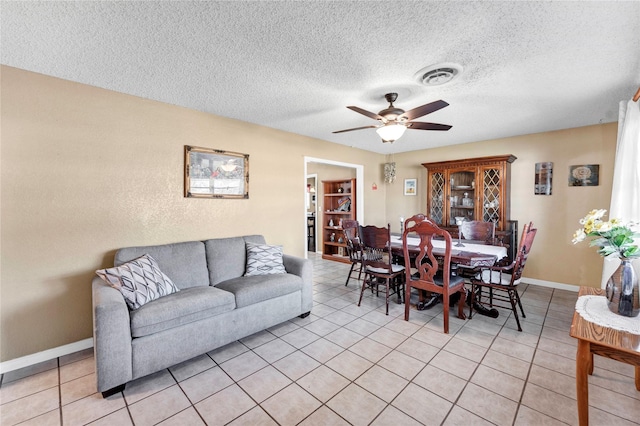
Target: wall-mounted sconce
389	172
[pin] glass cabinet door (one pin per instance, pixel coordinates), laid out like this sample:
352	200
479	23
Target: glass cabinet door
469	189
491	181
436	209
462	195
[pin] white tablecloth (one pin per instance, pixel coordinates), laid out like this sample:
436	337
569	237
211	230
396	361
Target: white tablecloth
498	251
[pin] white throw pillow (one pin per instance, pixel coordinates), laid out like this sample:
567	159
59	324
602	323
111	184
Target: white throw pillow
140	281
263	259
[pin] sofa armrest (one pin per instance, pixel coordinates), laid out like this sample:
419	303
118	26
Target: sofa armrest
111	336
304	269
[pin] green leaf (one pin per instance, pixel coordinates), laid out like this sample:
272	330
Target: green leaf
631	251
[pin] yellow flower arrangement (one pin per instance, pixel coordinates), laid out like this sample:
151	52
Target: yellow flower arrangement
613	236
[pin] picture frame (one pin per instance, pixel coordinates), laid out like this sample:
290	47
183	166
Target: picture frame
584	175
543	178
215	173
410	186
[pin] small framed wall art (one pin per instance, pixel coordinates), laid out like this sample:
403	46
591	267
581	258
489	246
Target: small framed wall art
410	186
214	173
543	178
584	175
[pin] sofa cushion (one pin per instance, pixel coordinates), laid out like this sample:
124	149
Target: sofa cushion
140	281
227	257
257	288
185	263
189	305
263	259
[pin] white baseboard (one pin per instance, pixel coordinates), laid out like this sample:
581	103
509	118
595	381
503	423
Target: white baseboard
39	357
543	283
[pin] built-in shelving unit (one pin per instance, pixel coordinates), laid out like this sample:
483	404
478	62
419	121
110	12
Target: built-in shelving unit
339	203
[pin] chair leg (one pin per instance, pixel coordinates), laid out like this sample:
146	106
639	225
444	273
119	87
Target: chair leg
364	284
398	288
463	298
473	298
360	272
513	300
387	284
520	303
407	299
349	276
445	305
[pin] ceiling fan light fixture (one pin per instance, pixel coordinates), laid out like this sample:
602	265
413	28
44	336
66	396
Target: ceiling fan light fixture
391	131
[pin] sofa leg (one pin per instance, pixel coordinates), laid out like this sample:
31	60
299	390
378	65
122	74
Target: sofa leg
113	391
306	314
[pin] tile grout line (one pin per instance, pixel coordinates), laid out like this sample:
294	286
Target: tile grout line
474	372
60	415
526	381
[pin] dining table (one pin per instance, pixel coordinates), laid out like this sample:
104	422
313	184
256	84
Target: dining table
603	340
469	257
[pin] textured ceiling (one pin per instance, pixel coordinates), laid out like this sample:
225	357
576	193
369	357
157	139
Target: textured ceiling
295	65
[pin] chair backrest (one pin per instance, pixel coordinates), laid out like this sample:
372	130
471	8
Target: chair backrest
411	221
478	230
425	262
376	247
350	229
526	241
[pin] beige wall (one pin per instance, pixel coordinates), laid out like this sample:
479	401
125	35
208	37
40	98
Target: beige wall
553	257
85	171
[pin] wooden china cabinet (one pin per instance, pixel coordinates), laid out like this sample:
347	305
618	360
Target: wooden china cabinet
339	203
473	189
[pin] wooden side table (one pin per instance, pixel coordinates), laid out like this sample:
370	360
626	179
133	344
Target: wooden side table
603	341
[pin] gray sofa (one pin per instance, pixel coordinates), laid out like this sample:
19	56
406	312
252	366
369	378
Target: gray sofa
216	305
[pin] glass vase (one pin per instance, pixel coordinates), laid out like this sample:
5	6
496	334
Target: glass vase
623	294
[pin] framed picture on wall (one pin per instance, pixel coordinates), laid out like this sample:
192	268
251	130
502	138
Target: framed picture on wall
543	178
214	173
584	175
410	186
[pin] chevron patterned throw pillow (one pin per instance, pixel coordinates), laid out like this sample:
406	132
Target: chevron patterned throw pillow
264	259
140	281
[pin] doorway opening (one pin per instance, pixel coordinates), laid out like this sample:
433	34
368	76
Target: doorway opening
309	164
312	212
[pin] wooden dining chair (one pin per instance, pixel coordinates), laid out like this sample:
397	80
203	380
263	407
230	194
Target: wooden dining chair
350	228
379	269
479	231
502	281
430	276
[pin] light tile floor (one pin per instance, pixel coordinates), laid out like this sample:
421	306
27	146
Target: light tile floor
346	364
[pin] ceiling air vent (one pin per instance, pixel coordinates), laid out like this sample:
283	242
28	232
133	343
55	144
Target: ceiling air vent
436	75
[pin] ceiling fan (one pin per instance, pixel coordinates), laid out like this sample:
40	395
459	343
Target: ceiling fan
394	121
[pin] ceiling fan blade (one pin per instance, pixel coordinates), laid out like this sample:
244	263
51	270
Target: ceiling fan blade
355	128
365	112
427	126
424	110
